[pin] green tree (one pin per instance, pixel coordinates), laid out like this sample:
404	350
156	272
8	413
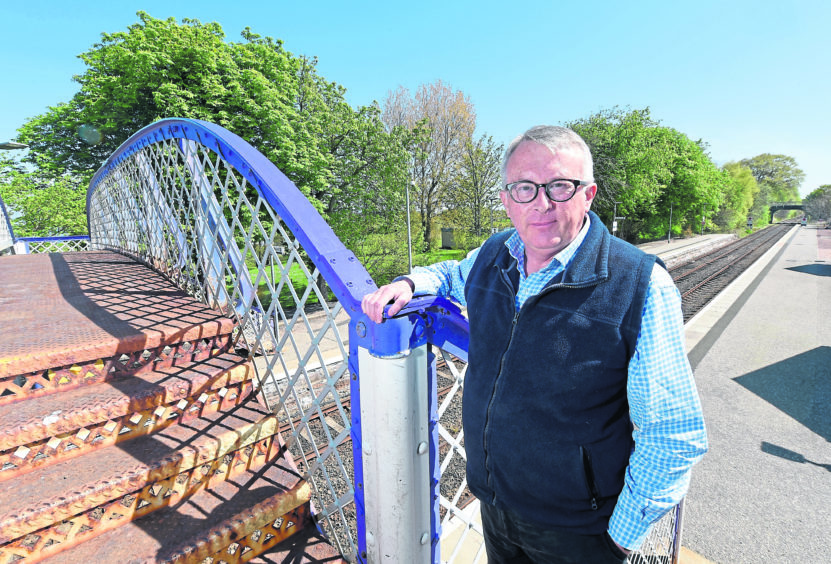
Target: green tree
779	179
473	198
740	191
42	205
648	172
448	119
366	205
158	69
818	203
342	158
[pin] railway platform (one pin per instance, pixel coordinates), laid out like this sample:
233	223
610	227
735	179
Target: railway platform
762	358
682	249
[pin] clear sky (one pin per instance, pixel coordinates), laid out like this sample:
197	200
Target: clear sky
745	76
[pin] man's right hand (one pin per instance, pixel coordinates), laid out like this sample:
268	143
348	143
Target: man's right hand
398	293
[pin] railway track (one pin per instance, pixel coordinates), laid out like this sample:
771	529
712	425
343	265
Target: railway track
702	278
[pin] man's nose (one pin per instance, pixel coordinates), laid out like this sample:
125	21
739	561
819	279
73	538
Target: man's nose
542	202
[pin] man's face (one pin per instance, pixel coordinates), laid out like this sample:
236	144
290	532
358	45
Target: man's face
546	227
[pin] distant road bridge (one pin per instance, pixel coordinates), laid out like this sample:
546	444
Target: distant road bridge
776	206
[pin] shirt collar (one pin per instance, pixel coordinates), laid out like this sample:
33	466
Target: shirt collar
517	250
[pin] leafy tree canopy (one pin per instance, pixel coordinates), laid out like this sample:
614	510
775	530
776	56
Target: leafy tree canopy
41	205
779	179
740	190
818	203
343	158
441	122
648	172
257	89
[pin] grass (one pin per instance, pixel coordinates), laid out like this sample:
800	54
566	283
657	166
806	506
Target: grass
438	255
299	281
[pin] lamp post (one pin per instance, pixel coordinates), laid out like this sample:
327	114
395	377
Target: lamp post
409	232
11	145
703	213
669	231
614	219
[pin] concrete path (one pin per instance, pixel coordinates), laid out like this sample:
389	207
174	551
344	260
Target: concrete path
763	492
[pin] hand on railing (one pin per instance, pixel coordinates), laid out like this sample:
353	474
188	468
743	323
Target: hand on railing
398	293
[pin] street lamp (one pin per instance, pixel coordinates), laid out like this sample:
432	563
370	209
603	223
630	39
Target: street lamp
11	145
614	219
669	232
409	232
703	217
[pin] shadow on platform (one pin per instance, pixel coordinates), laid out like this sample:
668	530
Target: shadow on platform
816	269
799	386
788	454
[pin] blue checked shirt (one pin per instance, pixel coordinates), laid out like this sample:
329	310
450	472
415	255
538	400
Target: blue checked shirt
664	406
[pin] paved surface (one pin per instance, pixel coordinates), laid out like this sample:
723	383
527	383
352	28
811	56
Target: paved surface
763	367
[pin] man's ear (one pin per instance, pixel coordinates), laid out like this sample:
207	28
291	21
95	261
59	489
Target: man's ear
591	192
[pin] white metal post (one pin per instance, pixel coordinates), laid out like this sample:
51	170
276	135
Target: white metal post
396	470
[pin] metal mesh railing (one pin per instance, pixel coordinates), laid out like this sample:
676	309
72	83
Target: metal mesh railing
186	208
462	540
35	245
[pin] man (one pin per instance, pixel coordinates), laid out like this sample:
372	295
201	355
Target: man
580	413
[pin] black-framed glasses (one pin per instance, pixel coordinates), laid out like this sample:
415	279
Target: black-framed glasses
558	190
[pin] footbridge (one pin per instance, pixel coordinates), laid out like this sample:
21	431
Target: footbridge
777	206
195	379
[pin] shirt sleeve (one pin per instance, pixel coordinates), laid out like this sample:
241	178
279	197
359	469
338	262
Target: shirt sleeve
445	278
669	432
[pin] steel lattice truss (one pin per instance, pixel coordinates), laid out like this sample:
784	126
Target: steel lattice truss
186	211
56	244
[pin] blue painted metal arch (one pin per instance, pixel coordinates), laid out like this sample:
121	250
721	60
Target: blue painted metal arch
344	273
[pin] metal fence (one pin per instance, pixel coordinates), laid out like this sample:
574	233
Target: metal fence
204	208
64	244
9	244
373	410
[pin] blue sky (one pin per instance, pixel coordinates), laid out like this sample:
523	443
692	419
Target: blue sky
747	77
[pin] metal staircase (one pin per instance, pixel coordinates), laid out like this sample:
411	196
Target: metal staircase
128	427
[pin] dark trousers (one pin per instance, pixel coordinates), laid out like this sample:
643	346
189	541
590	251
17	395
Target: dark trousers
510	540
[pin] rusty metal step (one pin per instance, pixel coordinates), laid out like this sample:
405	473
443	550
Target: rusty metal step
308	546
103	357
74	501
14	388
133	478
47	429
63	309
249	513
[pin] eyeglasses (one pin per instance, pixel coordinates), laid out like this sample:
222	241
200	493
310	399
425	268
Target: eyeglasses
558	190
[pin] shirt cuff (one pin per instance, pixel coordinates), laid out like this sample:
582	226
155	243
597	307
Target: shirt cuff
628	526
407	280
423	282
